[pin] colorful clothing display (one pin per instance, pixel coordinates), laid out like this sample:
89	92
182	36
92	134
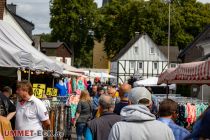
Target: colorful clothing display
189	113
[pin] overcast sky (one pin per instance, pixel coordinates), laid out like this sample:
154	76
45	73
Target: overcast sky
38	12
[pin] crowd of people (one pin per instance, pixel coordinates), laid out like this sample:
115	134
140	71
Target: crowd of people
103	113
128	114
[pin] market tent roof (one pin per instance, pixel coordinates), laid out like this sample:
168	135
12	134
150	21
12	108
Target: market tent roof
166	76
151	82
188	73
66	72
17	53
70	68
99	74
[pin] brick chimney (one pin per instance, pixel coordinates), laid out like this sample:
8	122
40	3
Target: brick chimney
2	6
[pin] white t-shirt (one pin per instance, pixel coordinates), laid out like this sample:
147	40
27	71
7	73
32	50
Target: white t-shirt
29	117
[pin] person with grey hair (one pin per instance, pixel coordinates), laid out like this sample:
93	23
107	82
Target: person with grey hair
99	128
138	123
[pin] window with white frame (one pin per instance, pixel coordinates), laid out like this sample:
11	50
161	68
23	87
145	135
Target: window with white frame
152	50
173	65
136	50
155	65
132	64
140	65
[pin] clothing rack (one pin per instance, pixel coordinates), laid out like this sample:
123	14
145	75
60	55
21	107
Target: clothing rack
183	99
60	117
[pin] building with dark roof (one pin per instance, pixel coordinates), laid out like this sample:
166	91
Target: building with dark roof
21	25
198	49
143	58
57	50
27	26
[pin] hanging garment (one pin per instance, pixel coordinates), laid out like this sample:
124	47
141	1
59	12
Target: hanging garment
191	113
56	121
62	90
80	85
69	87
52	121
181	120
73	110
61	118
85	83
74	84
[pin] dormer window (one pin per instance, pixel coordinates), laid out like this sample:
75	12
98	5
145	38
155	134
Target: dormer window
136	50
152	50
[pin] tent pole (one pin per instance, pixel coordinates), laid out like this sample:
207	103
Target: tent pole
53	82
202	92
29	75
167	90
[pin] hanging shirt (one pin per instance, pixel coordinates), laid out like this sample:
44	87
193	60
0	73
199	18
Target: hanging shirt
61	89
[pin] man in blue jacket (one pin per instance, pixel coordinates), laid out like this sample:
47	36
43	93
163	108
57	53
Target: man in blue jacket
168	112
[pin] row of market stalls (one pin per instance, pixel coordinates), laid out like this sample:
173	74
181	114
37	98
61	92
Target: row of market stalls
17	53
55	82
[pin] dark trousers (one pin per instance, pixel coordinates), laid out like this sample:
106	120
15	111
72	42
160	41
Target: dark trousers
80	129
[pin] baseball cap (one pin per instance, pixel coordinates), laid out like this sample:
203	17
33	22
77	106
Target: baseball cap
139	93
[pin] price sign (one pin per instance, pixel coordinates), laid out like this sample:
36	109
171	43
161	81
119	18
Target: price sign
52	92
38	92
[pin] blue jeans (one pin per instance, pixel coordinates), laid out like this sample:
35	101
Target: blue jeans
80	129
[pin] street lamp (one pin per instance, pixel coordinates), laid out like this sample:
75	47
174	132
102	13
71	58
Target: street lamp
169	30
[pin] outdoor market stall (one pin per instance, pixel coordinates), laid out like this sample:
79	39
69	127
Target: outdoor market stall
15	52
187	73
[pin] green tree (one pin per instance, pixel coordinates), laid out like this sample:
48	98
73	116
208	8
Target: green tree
120	20
73	21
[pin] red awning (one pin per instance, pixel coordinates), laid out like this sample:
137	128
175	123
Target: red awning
187	73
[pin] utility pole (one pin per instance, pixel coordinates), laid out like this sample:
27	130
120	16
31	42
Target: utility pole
169	30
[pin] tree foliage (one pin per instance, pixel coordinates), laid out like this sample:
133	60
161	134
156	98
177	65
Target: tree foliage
120	20
116	23
72	21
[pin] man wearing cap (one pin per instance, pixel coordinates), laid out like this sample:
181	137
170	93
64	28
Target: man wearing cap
138	122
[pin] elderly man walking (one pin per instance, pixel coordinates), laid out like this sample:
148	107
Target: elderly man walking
138	123
99	128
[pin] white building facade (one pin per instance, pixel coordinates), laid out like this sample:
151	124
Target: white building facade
141	57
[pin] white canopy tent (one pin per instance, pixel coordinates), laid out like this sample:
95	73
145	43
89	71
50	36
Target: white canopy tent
152	82
98	74
69	68
15	52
